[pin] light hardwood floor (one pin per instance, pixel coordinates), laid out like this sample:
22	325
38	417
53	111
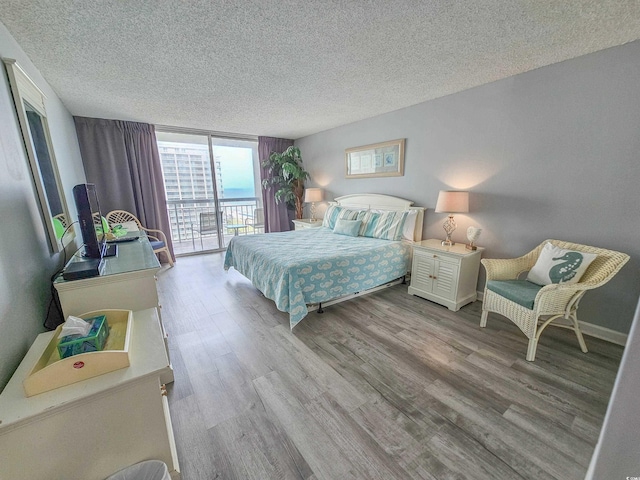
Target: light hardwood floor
386	386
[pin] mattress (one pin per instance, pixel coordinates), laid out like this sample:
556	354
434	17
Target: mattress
314	265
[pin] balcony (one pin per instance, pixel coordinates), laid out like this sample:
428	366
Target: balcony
235	215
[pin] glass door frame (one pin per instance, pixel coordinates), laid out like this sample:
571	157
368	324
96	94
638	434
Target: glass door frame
216	202
211	135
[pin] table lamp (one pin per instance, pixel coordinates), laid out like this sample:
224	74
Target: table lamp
313	195
451	202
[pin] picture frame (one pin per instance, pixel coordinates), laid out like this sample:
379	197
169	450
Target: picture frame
384	159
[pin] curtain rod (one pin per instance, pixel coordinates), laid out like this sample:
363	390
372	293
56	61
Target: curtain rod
196	131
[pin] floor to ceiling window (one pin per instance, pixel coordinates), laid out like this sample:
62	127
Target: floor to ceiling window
212	186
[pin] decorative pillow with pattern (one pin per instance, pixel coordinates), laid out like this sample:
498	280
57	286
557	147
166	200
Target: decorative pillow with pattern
409	224
557	265
330	216
334	212
384	225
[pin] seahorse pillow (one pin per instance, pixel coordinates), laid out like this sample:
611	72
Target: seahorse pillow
557	265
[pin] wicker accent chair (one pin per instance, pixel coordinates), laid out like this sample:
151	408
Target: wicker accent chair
63	219
158	239
555	301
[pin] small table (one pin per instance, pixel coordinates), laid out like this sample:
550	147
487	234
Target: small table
235	227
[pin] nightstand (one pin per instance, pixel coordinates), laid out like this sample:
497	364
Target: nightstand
306	223
445	275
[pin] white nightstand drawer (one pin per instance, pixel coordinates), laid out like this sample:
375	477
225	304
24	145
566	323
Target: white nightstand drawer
306	223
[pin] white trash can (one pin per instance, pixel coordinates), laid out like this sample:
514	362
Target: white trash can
147	470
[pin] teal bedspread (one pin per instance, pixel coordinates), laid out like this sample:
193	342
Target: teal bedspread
314	265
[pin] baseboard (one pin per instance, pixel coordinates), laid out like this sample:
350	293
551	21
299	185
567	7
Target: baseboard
603	333
593	330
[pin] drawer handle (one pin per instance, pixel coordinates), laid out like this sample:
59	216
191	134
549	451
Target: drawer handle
433	276
435	256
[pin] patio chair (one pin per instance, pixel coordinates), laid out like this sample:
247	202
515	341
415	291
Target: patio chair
158	239
207	225
525	303
257	221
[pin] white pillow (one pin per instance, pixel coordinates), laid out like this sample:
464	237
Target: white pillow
410	225
557	265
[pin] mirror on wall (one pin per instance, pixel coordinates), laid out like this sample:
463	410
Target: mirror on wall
32	116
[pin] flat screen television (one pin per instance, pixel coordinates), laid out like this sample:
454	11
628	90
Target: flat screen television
90	219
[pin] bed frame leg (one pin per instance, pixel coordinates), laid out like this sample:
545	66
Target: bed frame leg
404	280
320	310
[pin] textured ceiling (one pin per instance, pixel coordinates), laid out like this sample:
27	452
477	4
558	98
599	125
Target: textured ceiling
290	68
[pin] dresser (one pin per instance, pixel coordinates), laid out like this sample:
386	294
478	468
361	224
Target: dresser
93	428
447	275
306	223
127	281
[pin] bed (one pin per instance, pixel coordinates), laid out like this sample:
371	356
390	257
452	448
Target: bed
301	270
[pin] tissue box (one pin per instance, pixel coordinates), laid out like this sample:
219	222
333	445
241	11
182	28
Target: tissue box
93	342
50	371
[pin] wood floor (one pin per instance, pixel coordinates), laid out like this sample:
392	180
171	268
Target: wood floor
386	386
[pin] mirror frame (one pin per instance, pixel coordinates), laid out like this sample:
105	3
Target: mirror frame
25	90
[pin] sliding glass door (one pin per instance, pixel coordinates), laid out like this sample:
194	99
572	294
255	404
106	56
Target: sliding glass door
212	188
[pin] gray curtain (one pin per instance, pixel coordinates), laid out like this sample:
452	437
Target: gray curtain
276	216
122	159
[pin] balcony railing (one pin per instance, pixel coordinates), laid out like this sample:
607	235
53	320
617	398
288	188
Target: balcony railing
194	222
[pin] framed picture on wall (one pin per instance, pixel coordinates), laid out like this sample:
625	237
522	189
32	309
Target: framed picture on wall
384	159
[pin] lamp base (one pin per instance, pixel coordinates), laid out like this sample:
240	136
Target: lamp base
313	212
449	227
471	247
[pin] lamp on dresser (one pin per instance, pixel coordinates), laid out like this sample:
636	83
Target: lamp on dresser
451	202
313	195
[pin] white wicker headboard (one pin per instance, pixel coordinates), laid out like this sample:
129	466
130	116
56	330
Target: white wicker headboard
377	201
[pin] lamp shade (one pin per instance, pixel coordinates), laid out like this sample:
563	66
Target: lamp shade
313	195
452	202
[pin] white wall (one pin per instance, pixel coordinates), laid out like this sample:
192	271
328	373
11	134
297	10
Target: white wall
25	260
552	153
617	453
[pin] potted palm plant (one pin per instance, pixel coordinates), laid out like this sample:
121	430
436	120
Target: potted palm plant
287	175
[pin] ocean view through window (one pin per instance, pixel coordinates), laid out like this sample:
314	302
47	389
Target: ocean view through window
212	186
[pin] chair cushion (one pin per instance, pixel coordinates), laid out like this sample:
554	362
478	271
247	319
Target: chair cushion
157	245
521	292
558	265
